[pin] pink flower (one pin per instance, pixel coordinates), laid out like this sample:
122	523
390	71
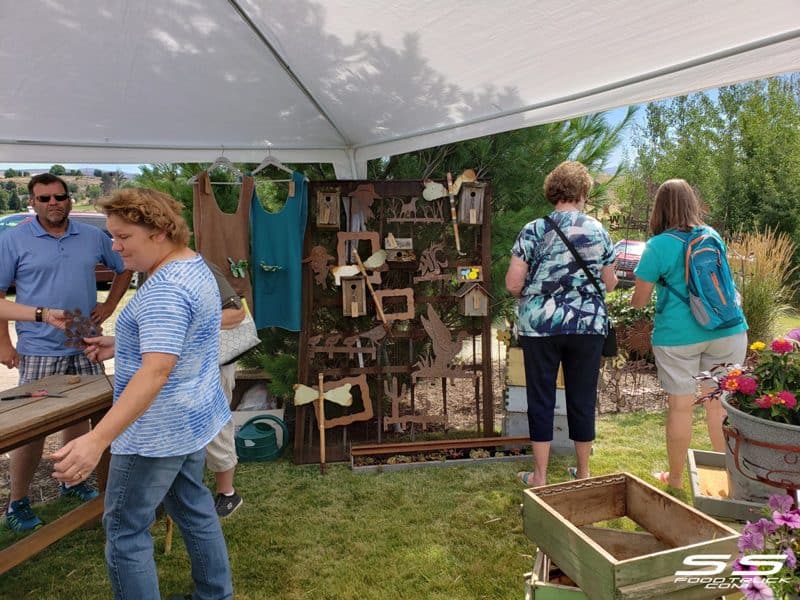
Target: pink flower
790	519
780	502
747	385
757	589
764	401
782	346
787	399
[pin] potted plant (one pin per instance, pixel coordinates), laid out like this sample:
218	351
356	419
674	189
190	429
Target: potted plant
773	535
762	429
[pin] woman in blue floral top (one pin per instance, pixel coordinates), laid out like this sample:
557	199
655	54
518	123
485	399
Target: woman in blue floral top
562	317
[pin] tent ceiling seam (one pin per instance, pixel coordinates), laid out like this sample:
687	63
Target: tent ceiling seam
675	68
287	69
213	148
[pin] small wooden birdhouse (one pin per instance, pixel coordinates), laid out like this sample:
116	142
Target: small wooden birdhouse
470	206
473	300
354	297
328	209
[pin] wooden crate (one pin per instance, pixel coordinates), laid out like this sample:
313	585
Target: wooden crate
547	582
615	564
710	492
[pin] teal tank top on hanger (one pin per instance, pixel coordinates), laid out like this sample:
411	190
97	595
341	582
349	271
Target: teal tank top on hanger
277	243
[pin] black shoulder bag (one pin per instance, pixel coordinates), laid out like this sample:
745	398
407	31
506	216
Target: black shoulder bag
610	342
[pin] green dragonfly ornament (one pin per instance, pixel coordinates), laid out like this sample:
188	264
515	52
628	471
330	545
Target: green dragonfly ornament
239	269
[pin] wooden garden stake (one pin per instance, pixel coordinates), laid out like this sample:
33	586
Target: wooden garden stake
453	215
378	307
168	535
341	395
321	423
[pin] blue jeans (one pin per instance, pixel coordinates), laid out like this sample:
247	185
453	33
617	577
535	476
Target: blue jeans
136	486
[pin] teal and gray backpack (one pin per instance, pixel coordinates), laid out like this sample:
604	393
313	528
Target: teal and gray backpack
713	299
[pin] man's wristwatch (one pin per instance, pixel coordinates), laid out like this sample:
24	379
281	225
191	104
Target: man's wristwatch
39	313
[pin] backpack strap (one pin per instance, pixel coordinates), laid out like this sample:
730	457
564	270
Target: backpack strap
675	234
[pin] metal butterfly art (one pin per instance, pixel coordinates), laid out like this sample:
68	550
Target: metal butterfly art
76	327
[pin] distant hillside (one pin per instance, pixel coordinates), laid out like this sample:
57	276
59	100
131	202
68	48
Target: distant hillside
82	183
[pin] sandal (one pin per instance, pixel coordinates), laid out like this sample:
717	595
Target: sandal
573	472
525	477
663	477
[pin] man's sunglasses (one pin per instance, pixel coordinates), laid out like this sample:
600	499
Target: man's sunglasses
58	197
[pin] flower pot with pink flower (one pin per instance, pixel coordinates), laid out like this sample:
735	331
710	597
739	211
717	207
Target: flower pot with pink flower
762	430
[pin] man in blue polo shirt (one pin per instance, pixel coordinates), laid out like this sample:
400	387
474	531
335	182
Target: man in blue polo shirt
51	260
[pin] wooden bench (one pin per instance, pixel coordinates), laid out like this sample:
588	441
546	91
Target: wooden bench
27	419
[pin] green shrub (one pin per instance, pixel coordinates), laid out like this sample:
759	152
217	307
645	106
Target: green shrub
762	266
621	311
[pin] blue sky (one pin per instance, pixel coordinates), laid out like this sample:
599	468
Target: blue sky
614	116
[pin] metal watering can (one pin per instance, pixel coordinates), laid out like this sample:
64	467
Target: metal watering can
256	440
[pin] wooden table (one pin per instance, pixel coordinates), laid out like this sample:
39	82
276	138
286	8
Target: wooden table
27	419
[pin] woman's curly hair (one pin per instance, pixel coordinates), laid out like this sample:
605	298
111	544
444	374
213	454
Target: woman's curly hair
149	208
568	182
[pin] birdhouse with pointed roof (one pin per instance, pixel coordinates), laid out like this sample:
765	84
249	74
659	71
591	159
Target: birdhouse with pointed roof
354	296
470	206
328	209
473	300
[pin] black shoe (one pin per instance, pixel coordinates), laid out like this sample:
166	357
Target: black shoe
180	597
227	505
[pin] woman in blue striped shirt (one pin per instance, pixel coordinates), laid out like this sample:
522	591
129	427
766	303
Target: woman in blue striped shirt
168	403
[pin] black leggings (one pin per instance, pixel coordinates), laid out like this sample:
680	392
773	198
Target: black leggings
580	357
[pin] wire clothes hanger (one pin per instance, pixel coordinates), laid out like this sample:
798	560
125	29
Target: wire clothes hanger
220	163
271	161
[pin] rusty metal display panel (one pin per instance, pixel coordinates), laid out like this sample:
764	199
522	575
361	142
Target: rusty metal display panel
411	338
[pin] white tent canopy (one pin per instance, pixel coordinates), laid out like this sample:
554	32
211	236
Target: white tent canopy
345	81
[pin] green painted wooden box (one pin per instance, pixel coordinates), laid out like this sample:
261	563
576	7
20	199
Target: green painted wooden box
712	501
547	582
610	563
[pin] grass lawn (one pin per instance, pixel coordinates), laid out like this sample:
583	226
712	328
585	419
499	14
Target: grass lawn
432	533
787	323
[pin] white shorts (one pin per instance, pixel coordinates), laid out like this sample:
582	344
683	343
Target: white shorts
678	365
221	451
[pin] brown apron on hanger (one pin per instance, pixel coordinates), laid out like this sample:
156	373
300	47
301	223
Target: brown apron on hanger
219	236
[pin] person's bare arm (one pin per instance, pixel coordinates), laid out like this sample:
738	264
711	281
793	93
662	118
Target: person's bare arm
8	354
119	286
609	277
78	458
515	276
231	317
642	291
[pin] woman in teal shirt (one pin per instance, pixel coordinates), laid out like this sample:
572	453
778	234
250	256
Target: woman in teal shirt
681	347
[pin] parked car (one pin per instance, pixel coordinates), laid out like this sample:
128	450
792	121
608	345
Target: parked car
102	273
12	220
627	255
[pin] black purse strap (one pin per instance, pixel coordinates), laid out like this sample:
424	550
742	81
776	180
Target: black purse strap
577	256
